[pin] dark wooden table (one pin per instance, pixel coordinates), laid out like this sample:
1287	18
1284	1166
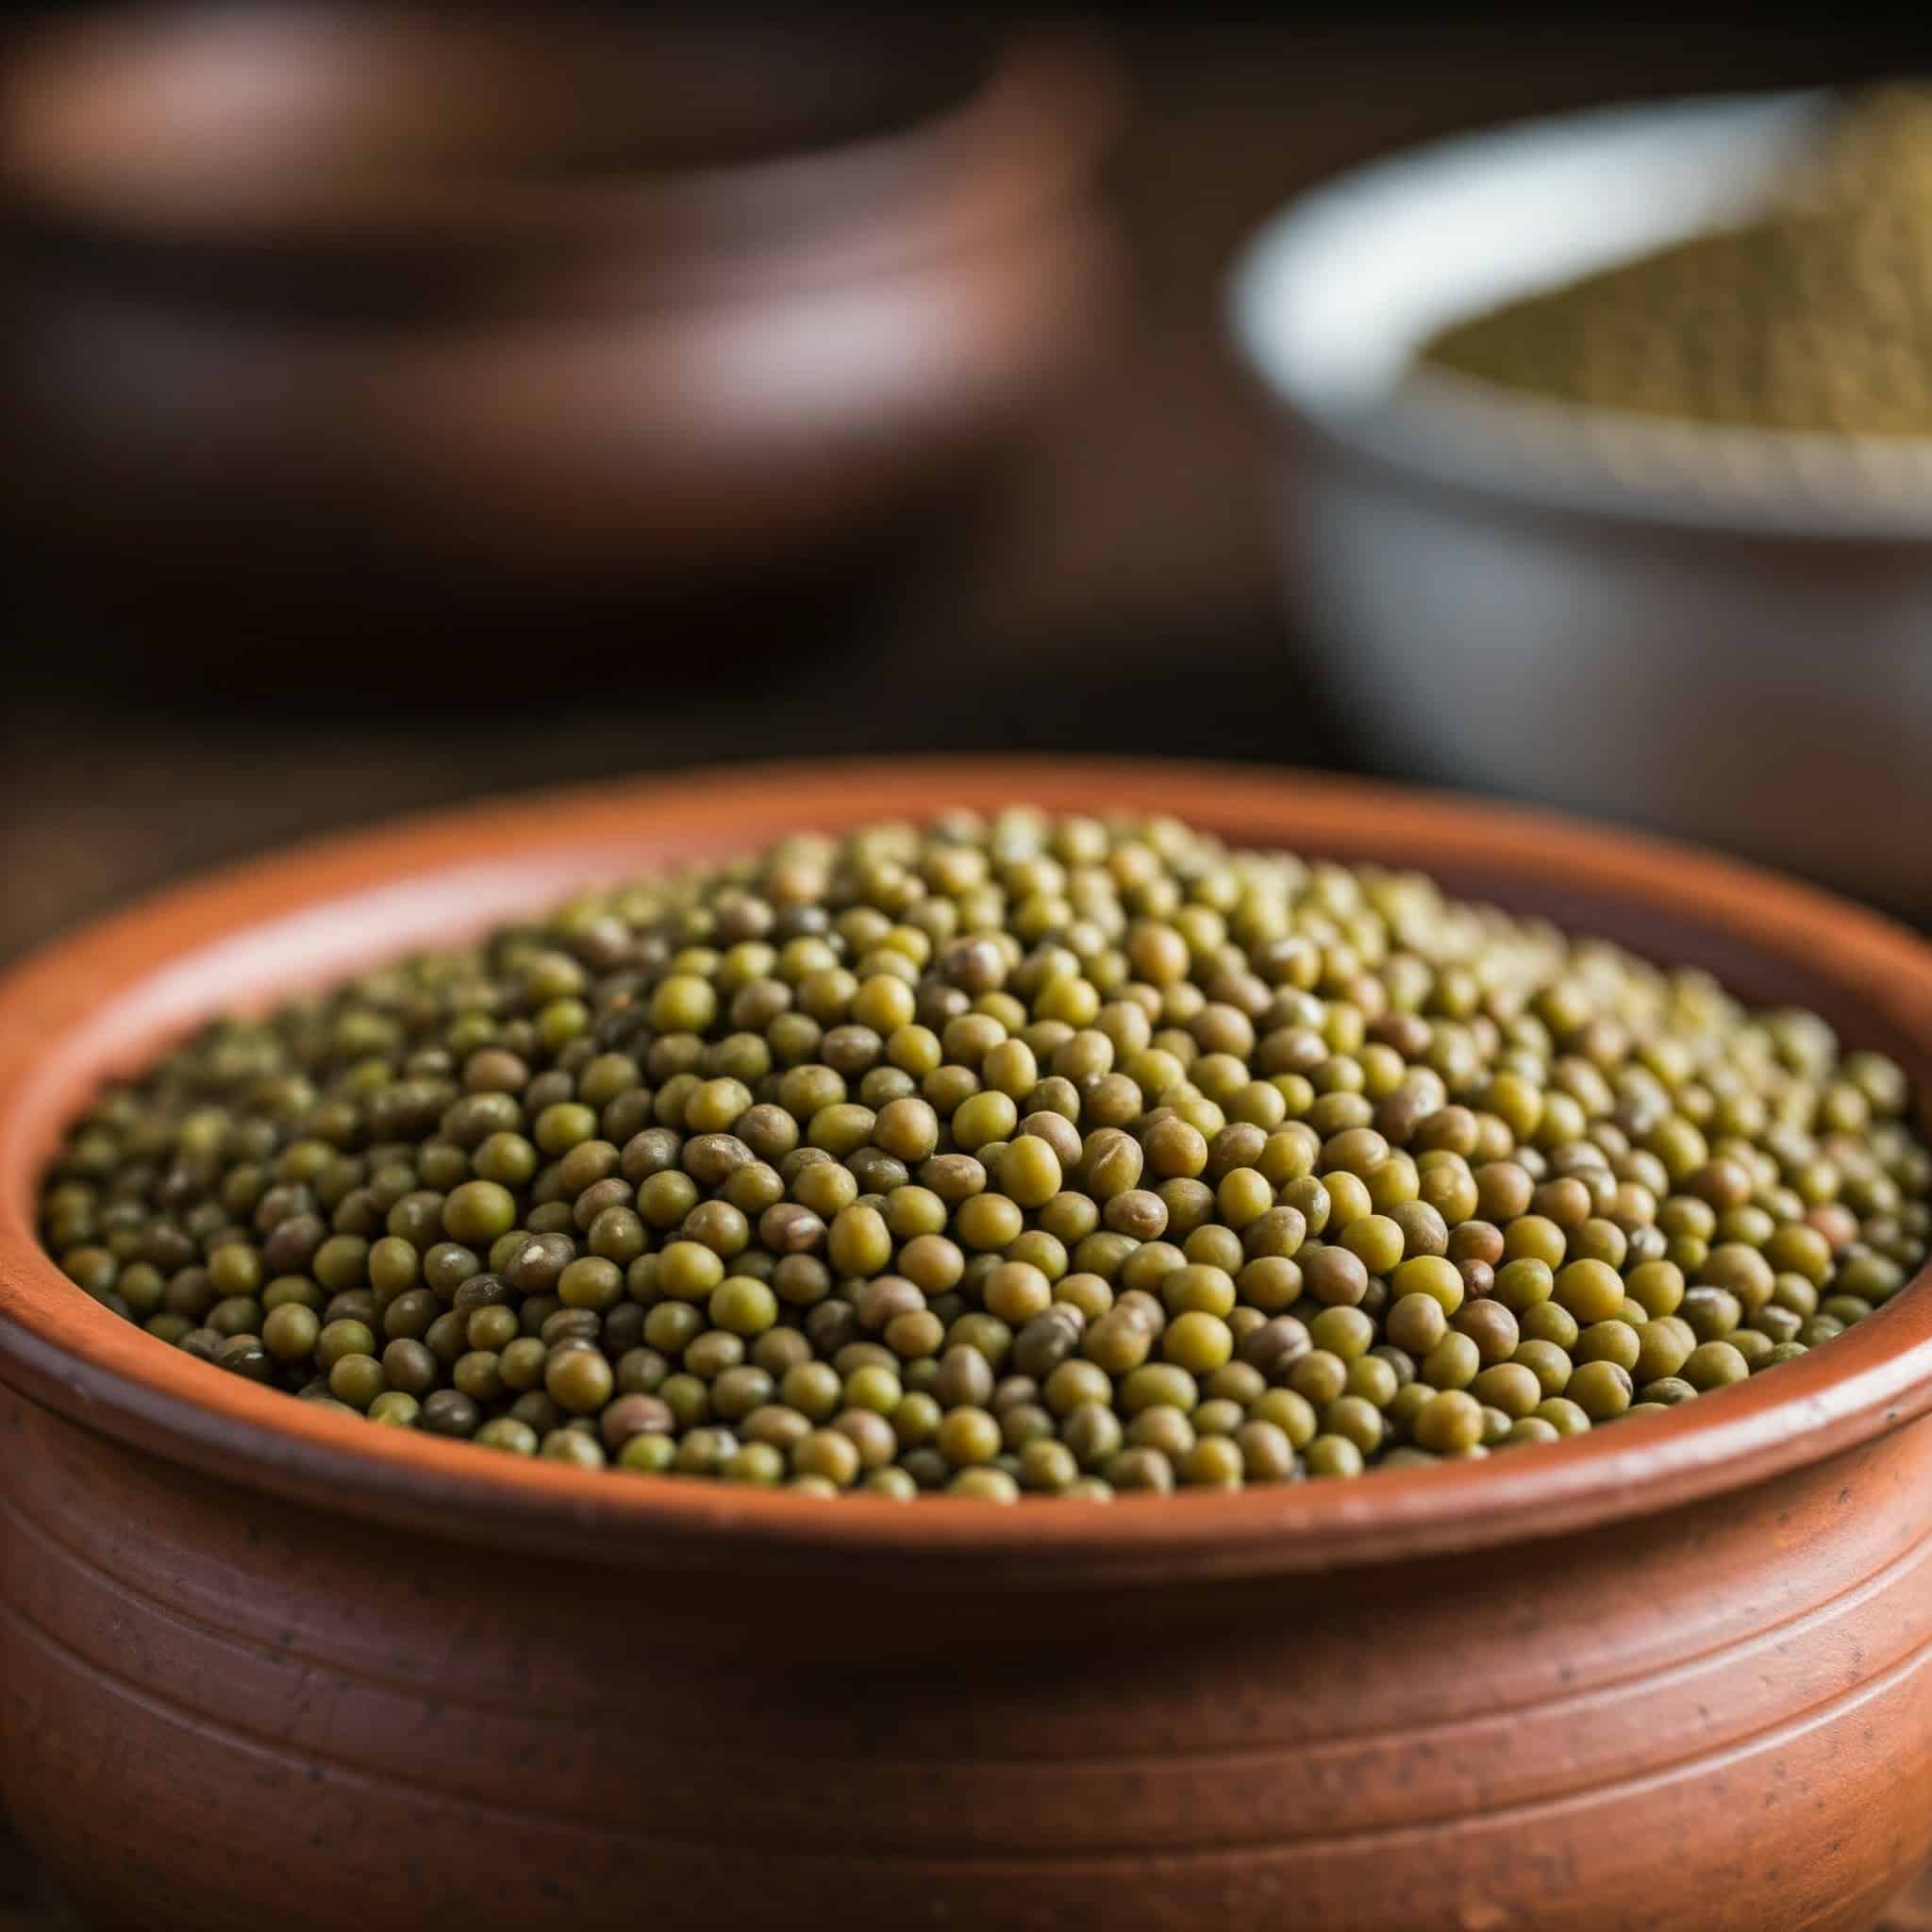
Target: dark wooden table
1119	596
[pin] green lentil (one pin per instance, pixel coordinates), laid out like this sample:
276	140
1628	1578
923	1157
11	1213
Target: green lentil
987	1169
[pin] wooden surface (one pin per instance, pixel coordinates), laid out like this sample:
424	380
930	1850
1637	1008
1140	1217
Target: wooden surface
1127	551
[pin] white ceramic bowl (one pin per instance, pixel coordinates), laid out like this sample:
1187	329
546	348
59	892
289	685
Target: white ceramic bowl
1724	633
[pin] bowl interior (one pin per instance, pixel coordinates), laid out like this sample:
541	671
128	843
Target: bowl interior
1337	295
111	998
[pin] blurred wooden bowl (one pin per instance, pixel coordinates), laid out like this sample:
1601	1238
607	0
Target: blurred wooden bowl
374	310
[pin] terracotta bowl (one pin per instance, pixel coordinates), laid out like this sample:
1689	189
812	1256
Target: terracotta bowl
265	1665
343	312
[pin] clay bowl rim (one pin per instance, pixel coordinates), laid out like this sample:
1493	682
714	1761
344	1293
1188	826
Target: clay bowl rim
103	999
1024	138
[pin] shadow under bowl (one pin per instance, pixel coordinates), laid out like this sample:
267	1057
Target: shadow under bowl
258	1661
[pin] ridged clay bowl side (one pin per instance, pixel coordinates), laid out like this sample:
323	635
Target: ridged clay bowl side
256	1659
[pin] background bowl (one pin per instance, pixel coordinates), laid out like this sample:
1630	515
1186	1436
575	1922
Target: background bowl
325	318
1724	633
256	1658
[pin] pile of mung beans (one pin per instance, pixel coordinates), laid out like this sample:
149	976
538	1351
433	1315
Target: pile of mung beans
1814	316
1005	1155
